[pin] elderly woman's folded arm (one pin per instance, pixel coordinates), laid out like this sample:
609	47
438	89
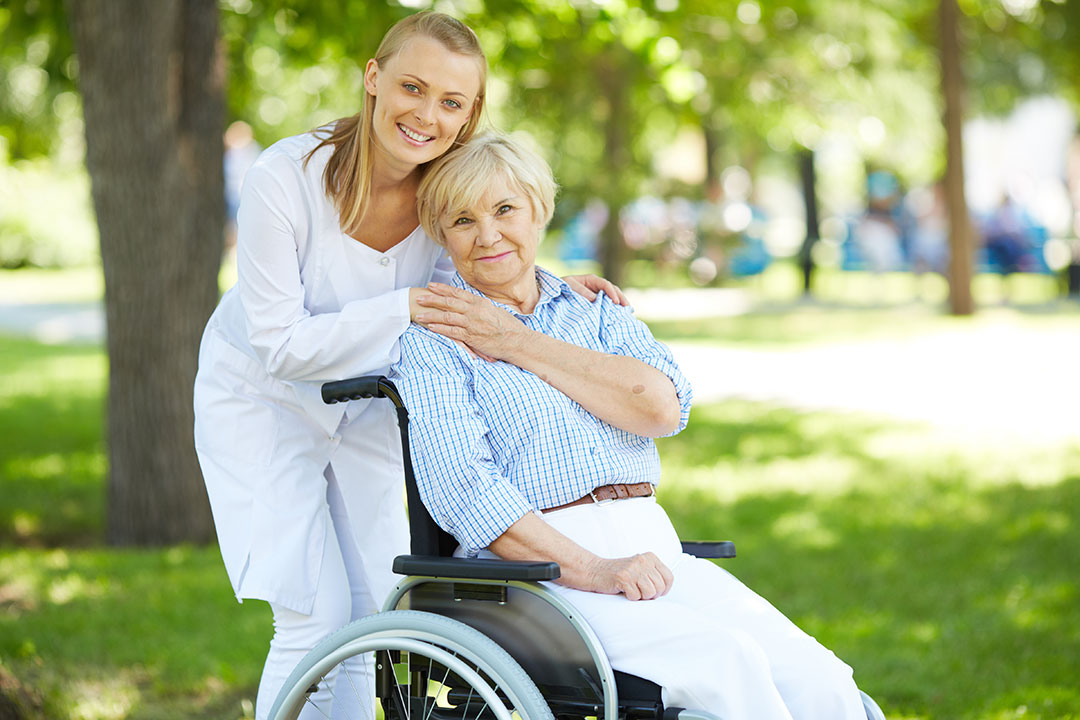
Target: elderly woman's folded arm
638	577
619	389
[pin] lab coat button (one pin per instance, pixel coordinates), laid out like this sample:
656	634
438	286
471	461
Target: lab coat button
385	261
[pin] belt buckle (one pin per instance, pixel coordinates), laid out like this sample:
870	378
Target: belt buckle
598	501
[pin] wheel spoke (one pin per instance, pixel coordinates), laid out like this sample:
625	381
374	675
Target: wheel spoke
315	705
356	693
442	684
393	673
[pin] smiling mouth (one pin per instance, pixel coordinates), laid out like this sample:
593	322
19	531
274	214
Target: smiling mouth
493	258
415	136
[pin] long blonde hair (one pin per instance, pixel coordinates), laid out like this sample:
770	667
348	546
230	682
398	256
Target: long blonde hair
347	177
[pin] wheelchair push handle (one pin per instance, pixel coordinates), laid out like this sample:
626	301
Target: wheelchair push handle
368	386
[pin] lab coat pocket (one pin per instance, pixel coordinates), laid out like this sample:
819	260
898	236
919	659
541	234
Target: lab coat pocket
237	405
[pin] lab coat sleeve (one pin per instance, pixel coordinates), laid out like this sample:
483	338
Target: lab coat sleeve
293	344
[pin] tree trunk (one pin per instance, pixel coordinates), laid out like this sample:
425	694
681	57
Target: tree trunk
808	179
151	77
612	77
961	241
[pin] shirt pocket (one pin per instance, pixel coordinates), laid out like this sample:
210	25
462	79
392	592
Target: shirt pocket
237	404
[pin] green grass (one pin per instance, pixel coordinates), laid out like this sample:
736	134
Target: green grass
52	461
943	572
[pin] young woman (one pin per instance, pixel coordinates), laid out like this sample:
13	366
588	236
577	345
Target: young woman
332	264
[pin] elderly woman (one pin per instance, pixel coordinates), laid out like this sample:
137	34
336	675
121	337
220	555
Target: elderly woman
514	468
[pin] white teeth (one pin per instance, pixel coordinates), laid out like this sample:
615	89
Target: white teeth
415	136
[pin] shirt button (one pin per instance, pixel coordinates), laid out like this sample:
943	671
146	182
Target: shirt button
385	261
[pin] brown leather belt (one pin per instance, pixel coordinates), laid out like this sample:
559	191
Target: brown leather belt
607	493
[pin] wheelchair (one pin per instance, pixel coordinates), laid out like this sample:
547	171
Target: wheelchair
473	639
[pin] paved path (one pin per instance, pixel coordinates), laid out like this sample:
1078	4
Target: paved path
54	322
995	383
993	379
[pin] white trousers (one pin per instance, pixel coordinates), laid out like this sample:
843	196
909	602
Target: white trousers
711	643
343	595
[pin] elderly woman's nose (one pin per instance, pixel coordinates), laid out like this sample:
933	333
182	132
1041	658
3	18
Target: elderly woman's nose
487	234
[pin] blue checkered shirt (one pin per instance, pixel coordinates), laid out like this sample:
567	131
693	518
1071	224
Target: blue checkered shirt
492	442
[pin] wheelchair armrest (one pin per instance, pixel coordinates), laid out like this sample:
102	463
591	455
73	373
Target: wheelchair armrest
723	549
474	568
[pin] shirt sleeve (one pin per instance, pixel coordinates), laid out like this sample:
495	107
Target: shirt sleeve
459	482
623	334
292	343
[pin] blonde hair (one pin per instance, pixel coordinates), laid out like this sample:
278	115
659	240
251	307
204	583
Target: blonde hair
347	177
459	179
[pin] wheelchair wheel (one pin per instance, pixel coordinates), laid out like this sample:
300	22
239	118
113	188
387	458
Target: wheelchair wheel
427	667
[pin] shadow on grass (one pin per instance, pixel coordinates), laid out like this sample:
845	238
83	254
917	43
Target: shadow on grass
951	597
149	633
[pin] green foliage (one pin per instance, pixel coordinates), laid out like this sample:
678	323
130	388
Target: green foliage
46	219
38	71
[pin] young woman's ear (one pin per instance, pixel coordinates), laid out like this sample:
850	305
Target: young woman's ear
371	76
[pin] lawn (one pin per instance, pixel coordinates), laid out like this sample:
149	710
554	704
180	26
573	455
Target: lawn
945	573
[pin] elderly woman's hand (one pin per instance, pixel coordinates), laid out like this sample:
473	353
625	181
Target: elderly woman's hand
472	320
639	577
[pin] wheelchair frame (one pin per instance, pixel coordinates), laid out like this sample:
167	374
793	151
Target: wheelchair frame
475	600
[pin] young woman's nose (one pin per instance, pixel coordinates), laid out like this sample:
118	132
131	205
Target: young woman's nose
425	111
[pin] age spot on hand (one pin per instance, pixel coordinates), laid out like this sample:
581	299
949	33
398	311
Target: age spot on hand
638	389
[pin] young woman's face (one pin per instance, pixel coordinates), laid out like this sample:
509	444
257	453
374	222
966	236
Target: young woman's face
424	95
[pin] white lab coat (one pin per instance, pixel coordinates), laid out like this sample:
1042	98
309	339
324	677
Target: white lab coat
310	305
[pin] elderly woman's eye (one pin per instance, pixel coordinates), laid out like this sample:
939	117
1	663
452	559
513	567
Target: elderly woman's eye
462	221
503	209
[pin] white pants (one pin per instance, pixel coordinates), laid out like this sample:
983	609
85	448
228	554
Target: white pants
711	643
342	596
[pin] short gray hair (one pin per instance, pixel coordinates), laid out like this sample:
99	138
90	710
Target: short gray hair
459	178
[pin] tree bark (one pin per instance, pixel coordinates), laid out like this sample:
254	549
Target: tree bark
152	80
961	241
612	78
808	180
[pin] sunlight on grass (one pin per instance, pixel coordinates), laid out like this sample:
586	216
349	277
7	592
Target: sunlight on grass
129	634
110	698
938	566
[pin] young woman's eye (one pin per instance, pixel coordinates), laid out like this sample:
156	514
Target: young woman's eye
410	87
454	104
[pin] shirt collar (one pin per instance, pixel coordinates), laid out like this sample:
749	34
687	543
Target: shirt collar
551	287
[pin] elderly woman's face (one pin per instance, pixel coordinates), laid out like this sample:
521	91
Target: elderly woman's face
493	244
